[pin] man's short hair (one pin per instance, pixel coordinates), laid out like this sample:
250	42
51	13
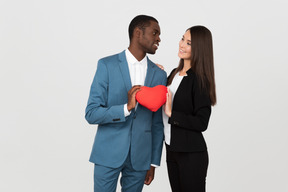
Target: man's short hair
140	21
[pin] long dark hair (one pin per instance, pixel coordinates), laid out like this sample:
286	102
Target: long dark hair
202	62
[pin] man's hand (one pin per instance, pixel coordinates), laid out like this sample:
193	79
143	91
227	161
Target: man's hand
131	97
149	176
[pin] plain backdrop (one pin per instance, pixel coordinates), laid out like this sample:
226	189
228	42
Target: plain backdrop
48	55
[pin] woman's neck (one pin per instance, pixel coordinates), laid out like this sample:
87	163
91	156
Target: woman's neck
186	67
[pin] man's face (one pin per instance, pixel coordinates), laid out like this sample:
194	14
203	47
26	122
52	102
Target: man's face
150	38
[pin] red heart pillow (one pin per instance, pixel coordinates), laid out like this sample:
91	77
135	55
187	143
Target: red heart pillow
152	98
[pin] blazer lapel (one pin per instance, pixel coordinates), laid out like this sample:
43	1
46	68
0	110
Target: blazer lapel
125	70
126	75
150	73
148	79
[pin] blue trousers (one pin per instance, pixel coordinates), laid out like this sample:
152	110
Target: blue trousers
105	178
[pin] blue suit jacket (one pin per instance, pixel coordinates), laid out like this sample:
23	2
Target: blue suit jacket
141	131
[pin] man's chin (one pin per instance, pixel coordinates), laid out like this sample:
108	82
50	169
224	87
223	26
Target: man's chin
152	52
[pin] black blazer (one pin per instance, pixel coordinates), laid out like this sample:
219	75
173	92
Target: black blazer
191	111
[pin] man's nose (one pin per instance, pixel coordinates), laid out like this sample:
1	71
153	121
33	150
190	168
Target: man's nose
159	39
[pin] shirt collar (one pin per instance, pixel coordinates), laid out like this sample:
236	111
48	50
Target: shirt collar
132	60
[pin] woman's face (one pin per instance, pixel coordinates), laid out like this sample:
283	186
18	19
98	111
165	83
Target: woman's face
185	46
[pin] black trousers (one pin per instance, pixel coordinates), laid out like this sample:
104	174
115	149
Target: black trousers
187	170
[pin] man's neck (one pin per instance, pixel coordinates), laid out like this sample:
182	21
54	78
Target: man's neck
139	55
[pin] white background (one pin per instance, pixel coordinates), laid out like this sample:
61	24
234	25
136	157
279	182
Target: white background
48	56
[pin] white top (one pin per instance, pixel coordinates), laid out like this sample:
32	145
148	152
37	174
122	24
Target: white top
173	88
137	70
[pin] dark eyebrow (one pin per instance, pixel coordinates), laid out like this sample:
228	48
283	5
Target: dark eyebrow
187	39
156	30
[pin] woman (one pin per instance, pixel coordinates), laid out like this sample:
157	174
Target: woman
187	110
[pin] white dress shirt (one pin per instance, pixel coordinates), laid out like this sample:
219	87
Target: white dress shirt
173	88
137	70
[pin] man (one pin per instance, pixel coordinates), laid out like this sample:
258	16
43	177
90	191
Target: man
129	138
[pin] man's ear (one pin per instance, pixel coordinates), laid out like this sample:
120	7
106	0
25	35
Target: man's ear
137	32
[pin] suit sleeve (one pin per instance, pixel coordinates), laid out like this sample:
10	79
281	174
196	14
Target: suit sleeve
157	133
198	120
97	111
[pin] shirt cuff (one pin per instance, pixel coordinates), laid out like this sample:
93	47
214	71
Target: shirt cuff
126	112
154	165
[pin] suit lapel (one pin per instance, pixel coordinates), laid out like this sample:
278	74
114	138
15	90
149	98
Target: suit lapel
123	65
150	73
125	70
148	79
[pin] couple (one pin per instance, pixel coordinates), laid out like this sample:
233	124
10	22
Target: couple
129	138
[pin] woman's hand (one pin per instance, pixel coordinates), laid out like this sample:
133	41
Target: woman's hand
160	66
168	104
